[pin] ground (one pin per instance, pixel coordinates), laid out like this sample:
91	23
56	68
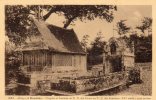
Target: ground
144	88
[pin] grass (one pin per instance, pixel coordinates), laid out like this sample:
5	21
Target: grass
144	88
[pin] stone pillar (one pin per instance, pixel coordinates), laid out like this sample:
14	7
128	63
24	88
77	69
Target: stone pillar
104	62
122	61
33	84
141	73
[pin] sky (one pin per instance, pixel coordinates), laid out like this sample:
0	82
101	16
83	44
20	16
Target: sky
132	13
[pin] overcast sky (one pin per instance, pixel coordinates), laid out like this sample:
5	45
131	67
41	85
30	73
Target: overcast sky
133	15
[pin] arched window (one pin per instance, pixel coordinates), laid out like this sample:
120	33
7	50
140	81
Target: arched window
113	48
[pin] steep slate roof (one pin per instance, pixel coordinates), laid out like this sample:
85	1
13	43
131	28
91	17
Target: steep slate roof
56	39
67	37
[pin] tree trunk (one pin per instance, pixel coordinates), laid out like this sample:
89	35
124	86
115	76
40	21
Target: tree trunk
69	21
45	17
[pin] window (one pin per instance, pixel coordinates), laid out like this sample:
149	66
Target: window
113	48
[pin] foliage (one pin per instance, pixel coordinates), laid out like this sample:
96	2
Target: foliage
142	47
88	83
82	12
18	24
134	75
64	85
146	24
12	64
97	46
84	42
142	44
122	28
129	42
17	20
96	50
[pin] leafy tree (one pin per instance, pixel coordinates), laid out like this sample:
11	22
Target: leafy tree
97	46
142	47
96	50
143	44
18	24
84	42
17	21
146	24
122	28
12	62
82	12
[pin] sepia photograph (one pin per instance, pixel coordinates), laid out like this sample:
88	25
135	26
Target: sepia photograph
69	50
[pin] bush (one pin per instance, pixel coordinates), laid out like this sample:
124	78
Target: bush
22	78
12	64
64	85
134	76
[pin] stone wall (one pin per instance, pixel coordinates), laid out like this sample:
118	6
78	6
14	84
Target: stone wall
144	65
84	83
98	83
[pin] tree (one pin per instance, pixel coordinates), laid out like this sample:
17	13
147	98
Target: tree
97	46
17	20
143	44
84	42
96	50
142	47
12	62
18	24
82	12
146	24
122	28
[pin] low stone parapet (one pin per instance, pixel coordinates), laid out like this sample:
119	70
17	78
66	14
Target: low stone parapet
86	83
